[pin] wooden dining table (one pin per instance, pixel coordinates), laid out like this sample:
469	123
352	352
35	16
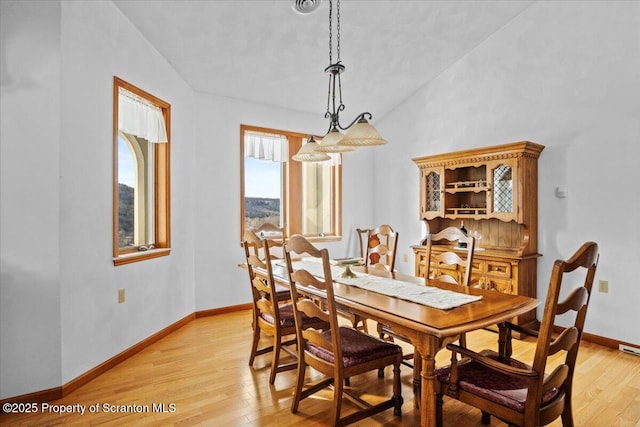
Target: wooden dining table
429	329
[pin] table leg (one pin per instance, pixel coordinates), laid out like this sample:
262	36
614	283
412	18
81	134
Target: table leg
417	382
428	392
428	347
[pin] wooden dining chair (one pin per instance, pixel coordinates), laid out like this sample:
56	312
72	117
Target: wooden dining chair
448	266
275	237
511	390
378	248
363	241
266	230
382	244
338	352
269	315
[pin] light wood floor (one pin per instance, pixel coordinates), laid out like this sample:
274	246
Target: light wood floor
200	373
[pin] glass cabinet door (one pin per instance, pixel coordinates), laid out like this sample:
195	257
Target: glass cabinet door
503	190
432	190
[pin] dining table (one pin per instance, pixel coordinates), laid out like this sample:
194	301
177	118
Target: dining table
429	329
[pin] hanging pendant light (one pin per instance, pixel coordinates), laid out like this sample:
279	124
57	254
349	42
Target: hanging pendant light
332	143
360	132
308	153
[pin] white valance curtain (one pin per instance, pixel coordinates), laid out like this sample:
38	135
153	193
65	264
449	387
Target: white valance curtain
266	146
139	118
276	147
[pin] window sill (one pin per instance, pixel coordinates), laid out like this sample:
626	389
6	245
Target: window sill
141	256
323	238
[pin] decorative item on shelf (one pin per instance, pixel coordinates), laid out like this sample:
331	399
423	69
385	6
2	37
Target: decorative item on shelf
360	132
477	237
464	230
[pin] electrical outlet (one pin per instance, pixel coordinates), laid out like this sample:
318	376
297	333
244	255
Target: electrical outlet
603	286
405	257
120	296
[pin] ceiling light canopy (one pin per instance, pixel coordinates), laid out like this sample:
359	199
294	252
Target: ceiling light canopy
360	132
305	7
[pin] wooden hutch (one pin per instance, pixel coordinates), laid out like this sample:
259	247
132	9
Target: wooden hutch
494	191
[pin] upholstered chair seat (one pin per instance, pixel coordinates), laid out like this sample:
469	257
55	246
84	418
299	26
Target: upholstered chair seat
503	389
357	347
287	318
282	293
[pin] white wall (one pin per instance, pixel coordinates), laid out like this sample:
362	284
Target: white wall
218	251
565	75
562	74
58	60
98	42
60	315
29	191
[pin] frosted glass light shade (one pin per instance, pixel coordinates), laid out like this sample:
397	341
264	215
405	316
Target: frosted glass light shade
308	153
362	134
331	143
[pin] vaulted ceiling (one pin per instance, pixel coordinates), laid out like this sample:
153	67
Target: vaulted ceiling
262	51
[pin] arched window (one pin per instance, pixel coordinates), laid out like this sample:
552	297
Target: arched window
141	175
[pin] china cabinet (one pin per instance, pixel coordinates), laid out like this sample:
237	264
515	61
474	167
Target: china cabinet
493	191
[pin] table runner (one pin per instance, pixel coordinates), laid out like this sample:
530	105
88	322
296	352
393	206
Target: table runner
426	295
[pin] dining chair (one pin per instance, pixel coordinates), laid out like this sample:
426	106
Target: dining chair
516	392
275	237
338	352
378	250
269	315
382	244
363	241
448	266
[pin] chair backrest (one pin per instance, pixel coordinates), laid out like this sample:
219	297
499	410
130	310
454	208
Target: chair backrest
299	246
449	266
363	241
382	243
275	237
582	264
263	288
266	230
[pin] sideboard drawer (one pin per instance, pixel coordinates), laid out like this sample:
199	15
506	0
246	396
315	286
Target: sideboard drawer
498	269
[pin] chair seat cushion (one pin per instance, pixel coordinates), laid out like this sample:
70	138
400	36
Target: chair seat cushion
282	293
357	347
482	381
287	320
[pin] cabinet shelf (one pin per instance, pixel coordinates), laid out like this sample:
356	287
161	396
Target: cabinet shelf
466	186
466	211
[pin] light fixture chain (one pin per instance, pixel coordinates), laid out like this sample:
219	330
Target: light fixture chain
330	32
360	132
338	29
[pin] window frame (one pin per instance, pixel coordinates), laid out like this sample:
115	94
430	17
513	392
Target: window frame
162	175
292	176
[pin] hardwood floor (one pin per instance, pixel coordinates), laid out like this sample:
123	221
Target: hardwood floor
201	376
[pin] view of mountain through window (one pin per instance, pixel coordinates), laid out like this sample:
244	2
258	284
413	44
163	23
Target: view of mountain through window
126	194
263	192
